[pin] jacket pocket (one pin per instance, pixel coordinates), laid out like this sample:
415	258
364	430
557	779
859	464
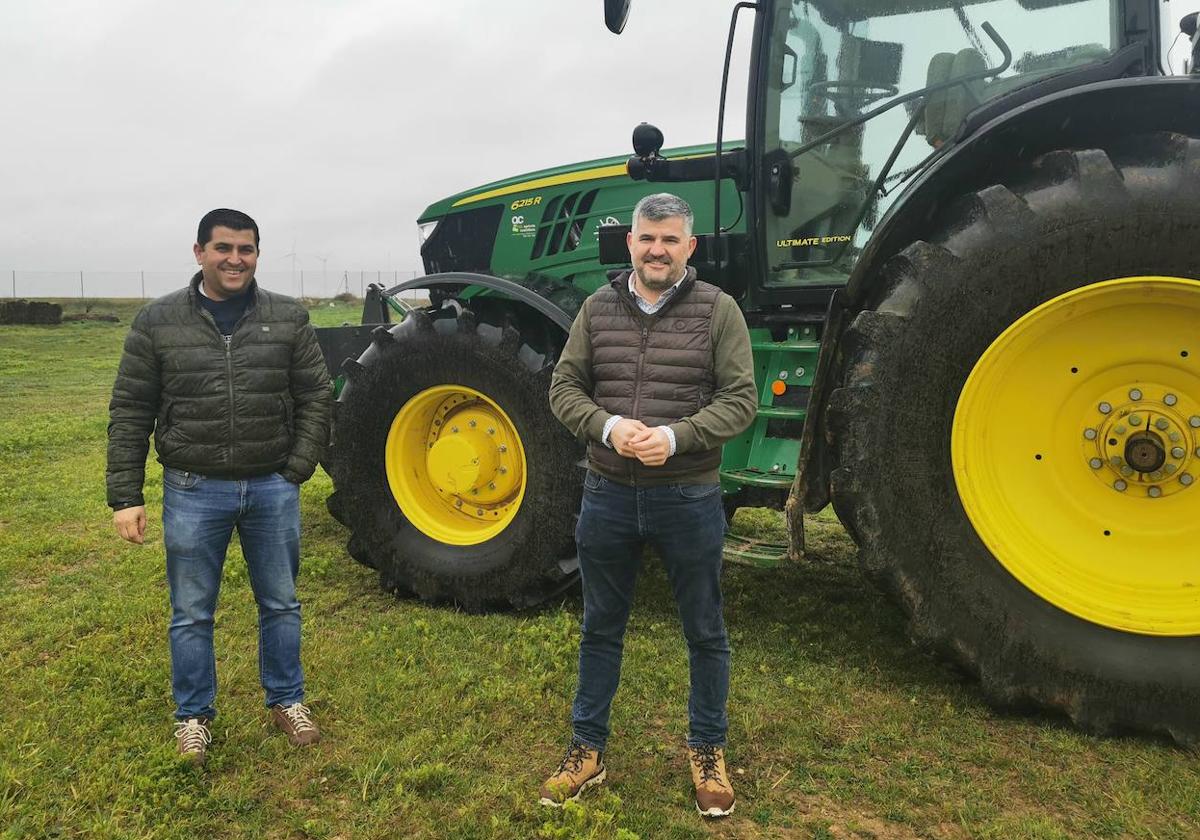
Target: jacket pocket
287	414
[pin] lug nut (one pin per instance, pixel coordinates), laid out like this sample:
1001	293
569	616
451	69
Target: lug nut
491	485
1115	460
1135	394
1127	471
1104	407
1161	424
1156	475
1095	463
458	503
471	423
502	470
783	374
1170	399
491	431
479	511
454	430
1134	420
1185	479
1177	452
1090	434
1119	430
1174	437
503	448
1194	421
1119	486
1170	469
1154	492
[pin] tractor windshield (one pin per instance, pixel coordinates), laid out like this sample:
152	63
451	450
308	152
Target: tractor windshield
829	62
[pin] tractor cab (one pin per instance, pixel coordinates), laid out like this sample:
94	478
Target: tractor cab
851	99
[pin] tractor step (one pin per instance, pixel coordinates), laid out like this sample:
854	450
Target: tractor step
762	554
758	478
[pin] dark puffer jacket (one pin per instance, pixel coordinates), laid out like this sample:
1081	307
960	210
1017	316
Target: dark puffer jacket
258	405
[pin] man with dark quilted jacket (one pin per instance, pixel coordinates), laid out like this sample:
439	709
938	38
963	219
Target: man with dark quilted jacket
230	380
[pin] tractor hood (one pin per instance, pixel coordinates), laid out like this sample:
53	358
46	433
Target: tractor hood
498	192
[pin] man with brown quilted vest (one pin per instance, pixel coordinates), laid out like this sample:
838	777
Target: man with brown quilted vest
230	379
656	376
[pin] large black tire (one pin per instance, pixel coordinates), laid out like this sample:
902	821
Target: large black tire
533	558
1074	218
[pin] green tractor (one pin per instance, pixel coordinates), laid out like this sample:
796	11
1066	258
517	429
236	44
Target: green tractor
964	237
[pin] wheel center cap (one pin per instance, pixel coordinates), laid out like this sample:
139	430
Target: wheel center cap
462	462
1145	452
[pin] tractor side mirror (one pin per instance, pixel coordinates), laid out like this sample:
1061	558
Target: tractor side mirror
616	12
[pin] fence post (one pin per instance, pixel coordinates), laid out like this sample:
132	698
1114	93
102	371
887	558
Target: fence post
143	285
81	285
14	284
302	284
362	290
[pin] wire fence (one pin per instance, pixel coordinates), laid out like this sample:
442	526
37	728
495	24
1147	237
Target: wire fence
152	284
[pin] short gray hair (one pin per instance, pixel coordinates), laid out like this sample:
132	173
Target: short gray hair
659	206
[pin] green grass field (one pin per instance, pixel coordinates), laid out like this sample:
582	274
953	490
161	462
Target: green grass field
440	724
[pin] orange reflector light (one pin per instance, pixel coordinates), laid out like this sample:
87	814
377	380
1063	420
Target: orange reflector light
778	387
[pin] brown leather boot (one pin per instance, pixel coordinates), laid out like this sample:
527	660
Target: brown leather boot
297	723
192	739
714	793
580	768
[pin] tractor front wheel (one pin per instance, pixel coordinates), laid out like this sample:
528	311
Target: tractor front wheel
451	473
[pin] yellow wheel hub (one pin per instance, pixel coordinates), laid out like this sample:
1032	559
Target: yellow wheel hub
455	465
1076	449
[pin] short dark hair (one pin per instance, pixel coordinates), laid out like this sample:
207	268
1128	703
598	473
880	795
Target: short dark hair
224	217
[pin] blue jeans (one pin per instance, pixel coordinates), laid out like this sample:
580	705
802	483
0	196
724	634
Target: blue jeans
686	524
199	515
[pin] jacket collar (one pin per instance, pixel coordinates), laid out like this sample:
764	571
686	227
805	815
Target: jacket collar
620	284
194	291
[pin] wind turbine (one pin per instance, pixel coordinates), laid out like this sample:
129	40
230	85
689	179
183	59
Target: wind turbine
324	285
293	255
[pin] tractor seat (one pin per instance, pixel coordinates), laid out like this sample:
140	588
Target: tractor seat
946	109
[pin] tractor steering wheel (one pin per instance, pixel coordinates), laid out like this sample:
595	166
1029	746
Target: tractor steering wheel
849	97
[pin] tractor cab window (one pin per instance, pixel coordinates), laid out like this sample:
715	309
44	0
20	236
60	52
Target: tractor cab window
830	62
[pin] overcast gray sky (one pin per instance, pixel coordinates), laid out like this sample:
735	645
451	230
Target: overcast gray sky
333	123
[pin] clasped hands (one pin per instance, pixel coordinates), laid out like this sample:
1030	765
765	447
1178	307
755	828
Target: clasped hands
634	439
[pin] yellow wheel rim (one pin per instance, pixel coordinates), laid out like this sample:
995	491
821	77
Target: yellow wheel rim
455	465
1076	449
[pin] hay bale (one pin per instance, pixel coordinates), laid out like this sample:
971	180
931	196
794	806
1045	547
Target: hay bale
30	312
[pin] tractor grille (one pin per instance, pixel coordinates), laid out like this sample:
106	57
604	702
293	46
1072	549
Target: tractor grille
562	224
463	241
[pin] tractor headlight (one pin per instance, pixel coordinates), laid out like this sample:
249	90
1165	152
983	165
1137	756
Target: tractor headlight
425	230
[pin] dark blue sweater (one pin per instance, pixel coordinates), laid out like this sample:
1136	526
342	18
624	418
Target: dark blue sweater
227	312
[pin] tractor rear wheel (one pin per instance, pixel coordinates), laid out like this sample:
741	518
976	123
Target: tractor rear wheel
1018	434
454	478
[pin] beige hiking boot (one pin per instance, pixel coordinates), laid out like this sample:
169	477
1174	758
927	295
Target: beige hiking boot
714	793
581	768
192	739
297	723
